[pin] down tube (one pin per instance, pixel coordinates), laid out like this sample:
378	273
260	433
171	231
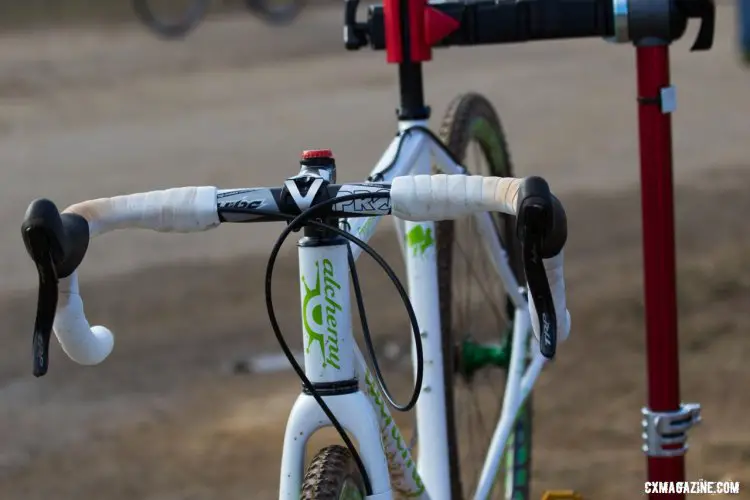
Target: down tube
421	264
404	477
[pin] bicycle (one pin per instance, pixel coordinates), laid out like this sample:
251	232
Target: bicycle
408	30
446	361
167	26
334	366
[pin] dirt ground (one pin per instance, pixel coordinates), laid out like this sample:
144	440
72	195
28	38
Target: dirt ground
86	114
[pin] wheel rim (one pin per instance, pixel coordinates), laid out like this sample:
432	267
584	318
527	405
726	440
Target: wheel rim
479	322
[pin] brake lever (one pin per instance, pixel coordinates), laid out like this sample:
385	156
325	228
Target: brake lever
57	244
42	253
533	219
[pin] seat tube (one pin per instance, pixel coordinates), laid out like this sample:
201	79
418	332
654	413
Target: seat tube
326	314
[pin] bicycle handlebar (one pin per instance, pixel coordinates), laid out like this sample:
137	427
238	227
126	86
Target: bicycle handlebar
57	242
462	23
541	226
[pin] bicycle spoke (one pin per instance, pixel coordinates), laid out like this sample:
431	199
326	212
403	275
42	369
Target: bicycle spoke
478	321
477	316
495	310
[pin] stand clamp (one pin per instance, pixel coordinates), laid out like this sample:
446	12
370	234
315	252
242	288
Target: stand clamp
665	433
645	22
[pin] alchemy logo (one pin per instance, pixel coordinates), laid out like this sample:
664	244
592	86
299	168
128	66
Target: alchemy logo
320	313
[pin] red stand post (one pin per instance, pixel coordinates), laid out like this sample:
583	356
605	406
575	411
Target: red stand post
657	204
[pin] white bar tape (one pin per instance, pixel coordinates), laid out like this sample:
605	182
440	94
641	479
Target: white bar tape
187	209
445	197
442	197
82	344
179	210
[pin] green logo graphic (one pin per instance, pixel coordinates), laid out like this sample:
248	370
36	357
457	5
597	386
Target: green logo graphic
419	240
319	309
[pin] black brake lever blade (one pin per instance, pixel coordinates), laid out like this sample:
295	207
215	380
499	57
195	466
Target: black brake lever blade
46	301
532	241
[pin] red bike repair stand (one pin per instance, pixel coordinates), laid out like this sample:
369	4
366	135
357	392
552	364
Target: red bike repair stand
665	420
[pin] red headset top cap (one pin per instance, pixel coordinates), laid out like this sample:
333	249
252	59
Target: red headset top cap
309	154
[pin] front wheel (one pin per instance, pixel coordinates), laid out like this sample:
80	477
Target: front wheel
476	314
333	475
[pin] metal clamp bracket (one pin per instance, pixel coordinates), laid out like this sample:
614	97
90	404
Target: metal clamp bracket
665	433
666	100
662	21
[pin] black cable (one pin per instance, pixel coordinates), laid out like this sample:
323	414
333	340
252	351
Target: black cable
403	294
378	177
437	141
297	368
368	338
357	288
298	222
360	303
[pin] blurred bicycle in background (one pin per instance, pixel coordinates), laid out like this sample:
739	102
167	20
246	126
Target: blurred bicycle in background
743	18
176	18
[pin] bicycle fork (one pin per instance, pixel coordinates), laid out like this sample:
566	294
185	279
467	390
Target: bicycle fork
329	349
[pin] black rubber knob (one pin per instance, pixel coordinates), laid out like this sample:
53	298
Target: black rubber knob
535	193
63	237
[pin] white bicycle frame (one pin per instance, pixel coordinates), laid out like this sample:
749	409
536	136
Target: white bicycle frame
331	354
